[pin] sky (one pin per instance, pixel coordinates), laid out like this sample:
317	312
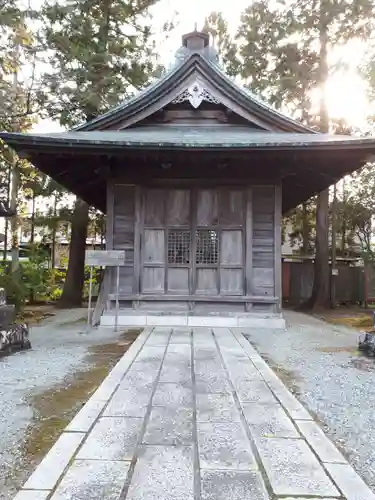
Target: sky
346	96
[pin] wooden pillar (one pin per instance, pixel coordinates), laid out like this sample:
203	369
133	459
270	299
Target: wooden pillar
249	244
193	248
109	228
277	246
110	215
138	224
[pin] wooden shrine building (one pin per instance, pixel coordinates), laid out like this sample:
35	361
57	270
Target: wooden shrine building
194	174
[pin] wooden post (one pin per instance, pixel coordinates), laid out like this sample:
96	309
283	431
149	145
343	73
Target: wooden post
249	245
117	296
106	258
137	240
90	296
110	223
277	245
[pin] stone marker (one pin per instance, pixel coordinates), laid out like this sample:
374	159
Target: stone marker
13	336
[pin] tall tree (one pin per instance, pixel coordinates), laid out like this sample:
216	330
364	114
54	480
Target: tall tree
217	27
18	51
102	51
284	48
327	23
299	226
275	63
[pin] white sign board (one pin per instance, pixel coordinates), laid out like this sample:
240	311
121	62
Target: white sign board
105	258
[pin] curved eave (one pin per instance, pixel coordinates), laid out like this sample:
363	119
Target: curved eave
212	73
306	167
279	142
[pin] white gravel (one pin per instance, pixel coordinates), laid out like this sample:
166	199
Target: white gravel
59	348
321	364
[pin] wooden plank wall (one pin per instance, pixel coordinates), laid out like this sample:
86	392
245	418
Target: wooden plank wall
262	223
123	234
263	237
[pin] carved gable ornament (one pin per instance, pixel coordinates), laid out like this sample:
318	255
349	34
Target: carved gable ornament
195	94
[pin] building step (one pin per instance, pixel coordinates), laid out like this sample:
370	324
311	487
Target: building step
246	320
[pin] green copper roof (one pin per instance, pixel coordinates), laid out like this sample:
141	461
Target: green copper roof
186	137
194	63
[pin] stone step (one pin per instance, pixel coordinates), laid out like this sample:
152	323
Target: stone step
134	318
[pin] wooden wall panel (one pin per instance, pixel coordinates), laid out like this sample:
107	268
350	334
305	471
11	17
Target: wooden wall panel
178	280
154	246
123	235
178	207
207	207
231	247
153	280
126	280
206	281
245	230
263	281
154	207
231	207
231	282
263	250
124	216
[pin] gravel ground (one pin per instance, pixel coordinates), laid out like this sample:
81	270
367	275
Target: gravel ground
321	365
59	349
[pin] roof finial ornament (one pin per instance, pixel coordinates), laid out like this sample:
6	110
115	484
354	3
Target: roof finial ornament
196	42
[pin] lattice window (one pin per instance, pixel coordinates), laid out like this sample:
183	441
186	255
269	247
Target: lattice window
179	247
207	246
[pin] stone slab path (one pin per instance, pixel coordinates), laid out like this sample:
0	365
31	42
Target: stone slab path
193	415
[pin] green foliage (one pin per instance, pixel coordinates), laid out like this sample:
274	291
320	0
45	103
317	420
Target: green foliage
299	227
217	27
360	209
18	50
31	281
37	282
102	50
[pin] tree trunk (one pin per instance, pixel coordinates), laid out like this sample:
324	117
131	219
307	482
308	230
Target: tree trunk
72	293
15	184
320	297
343	229
333	244
73	287
54	231
32	225
5	250
6	229
14	219
32	238
320	293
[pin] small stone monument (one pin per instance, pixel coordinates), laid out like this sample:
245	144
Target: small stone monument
13	336
366	343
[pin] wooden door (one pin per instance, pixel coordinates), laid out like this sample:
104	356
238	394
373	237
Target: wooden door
219	245
179	242
193	242
153	242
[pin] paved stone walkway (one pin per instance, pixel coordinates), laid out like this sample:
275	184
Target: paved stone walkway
193	416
